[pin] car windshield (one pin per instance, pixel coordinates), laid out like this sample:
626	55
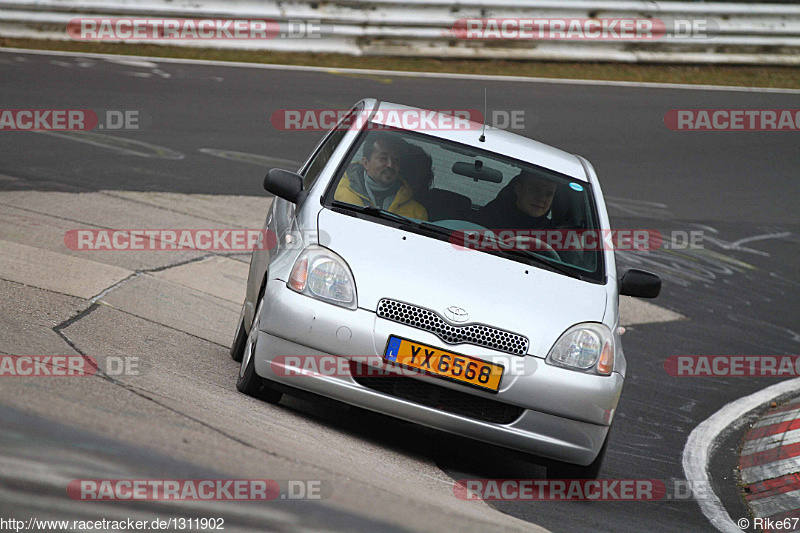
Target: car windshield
474	198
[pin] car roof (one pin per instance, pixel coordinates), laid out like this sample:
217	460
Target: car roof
496	140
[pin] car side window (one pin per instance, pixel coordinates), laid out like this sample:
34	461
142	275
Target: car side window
325	151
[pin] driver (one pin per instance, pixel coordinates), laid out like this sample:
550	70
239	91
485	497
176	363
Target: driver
375	180
523	204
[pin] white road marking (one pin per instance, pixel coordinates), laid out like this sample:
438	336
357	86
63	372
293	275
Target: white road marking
772	441
444	481
757	473
302	68
776	418
737	245
132	62
699	445
256	159
788	501
117	144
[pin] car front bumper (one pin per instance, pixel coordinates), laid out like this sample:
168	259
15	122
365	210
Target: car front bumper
565	414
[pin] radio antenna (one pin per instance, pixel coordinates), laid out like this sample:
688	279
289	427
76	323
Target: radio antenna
482	138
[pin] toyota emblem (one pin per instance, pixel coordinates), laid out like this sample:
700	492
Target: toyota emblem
456	314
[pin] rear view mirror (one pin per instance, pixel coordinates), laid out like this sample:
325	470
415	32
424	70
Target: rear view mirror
284	184
477	171
640	284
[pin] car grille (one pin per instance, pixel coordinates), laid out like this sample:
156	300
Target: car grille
451	401
478	334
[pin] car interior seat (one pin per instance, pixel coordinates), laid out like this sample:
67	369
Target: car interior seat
446	205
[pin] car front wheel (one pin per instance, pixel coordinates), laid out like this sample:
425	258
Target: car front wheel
239	341
248	381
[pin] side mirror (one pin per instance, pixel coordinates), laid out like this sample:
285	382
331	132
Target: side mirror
640	284
284	184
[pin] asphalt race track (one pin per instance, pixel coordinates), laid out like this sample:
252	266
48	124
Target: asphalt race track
206	139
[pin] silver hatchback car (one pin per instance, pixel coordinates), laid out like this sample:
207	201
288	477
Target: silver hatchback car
448	274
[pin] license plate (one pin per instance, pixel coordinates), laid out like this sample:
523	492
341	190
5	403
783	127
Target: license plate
447	365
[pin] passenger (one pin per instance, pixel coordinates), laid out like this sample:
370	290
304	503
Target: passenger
376	181
417	170
523	204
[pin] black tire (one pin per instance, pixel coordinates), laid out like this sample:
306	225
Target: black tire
251	384
559	470
248	381
237	348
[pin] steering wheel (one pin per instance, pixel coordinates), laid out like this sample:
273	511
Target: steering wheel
529	242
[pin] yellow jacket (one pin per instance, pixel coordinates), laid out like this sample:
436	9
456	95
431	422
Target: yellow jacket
403	204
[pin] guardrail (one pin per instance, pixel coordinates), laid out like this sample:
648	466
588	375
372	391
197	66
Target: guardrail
732	33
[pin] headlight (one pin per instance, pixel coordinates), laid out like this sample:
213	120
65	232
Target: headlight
587	347
321	274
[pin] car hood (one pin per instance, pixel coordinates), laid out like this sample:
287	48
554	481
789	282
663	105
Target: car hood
391	263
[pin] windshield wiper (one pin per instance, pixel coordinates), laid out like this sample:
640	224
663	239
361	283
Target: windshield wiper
388	215
371	210
376	212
